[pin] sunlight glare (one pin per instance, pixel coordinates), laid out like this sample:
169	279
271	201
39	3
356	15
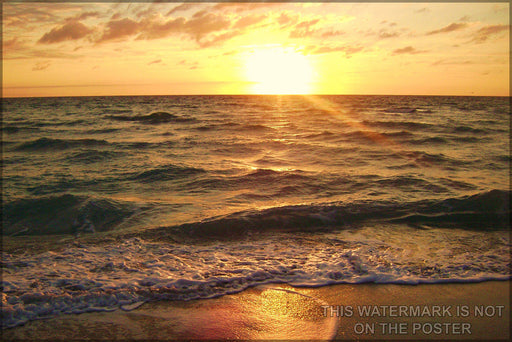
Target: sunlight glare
279	71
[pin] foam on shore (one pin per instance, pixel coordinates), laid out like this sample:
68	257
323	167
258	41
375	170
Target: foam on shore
297	313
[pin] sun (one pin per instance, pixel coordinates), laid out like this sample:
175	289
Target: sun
277	70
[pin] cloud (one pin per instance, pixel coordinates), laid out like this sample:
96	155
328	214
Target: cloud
119	29
242	7
331	33
204	24
407	50
41	66
348	50
448	62
423	10
19	50
229	53
181	8
84	16
307	24
249	21
204	27
154	28
155	62
450	28
384	34
72	30
189	65
486	32
218	39
287	19
145	12
25	15
304	29
13	44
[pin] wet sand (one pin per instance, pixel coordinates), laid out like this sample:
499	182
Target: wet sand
347	312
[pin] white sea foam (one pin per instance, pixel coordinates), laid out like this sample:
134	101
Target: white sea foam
109	277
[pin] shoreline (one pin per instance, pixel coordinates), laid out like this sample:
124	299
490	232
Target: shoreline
346	311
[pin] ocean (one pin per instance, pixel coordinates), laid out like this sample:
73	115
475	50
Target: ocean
111	202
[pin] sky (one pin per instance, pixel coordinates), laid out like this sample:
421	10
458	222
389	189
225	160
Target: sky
87	49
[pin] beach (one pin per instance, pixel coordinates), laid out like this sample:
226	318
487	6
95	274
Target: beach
345	312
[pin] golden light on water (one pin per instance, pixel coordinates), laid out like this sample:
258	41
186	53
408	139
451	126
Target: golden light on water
332	109
277	70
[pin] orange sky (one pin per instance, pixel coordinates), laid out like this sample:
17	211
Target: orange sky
67	49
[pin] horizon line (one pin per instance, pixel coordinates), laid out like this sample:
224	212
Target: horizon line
318	94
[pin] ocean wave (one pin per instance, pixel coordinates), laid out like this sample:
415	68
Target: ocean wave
325	135
467	139
438	159
103	130
405	125
70	123
428	141
484	211
11	129
64	214
468	129
258	179
166	172
116	111
93	156
44	143
400	110
398	134
255	128
153	118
